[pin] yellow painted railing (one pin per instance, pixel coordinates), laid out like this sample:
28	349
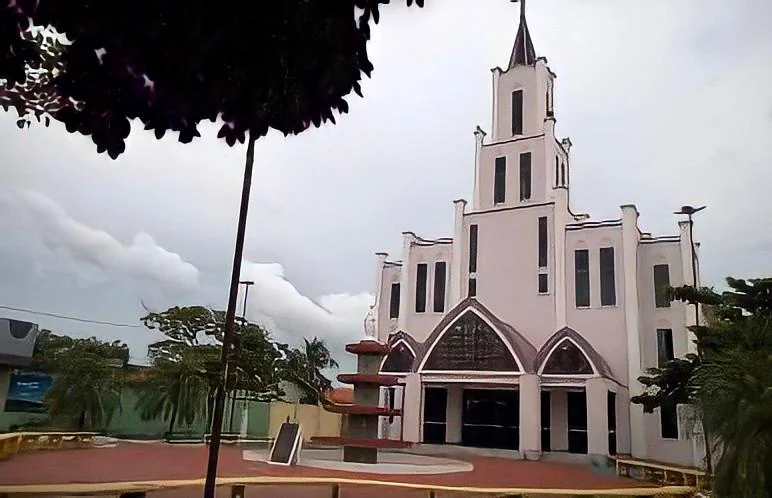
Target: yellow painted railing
20	442
661	474
334	485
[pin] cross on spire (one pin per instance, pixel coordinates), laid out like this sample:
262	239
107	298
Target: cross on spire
523	52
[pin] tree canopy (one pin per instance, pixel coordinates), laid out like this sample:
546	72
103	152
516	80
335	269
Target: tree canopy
253	65
728	381
86	378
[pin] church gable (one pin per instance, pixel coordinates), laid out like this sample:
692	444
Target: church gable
470	344
399	360
567	359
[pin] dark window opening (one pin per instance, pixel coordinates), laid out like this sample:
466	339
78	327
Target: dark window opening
420	288
471	344
612	423
543	283
472	248
525	176
435	410
563	174
546	418
668	421
550	112
517	112
664	346
577	421
394	301
543	242
567	359
582	277
472	287
608	293
500	180
557	171
439	286
661	286
399	360
490	418
391	393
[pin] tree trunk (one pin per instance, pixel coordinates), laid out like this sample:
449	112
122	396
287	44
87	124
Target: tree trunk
233	409
230	315
82	421
173	418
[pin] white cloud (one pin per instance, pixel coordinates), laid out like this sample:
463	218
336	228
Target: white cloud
290	316
91	254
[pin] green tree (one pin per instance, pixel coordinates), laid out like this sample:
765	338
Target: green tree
176	390
304	367
728	381
87	377
189	359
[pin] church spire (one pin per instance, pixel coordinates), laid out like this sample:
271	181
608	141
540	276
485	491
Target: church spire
523	52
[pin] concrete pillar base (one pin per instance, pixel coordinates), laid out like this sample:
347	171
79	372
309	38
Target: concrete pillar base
532	455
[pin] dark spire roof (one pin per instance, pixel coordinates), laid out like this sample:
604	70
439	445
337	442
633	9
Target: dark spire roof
523	52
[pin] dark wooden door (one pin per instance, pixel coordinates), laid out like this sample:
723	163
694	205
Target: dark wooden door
577	422
435	414
491	418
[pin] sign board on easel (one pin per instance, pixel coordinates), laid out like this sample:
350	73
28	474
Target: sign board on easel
286	446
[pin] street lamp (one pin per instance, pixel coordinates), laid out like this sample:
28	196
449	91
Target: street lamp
246	284
691	211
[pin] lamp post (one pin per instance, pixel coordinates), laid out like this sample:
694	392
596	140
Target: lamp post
246	284
691	211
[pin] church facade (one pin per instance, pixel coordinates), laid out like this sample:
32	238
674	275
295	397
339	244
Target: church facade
528	328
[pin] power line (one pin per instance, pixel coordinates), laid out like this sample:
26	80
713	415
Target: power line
73	318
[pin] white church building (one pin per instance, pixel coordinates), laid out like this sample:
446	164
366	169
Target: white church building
528	328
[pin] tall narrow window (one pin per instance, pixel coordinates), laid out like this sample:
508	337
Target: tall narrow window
612	422
525	176
557	171
668	421
543	242
439	286
543	283
664	346
608	293
472	248
563	174
582	277
500	180
472	287
517	112
550	110
420	288
661	286
394	302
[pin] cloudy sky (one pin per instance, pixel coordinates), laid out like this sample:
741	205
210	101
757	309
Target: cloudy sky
666	102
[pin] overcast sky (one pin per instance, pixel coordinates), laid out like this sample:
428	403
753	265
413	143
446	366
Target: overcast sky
667	103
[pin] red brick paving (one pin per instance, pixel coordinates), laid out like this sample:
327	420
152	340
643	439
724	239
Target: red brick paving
143	462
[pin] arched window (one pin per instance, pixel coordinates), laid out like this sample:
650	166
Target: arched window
399	360
471	344
567	359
